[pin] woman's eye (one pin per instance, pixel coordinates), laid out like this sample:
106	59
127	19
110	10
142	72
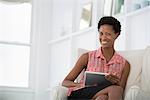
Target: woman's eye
108	34
101	33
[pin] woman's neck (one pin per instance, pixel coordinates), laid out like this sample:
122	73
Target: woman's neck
108	53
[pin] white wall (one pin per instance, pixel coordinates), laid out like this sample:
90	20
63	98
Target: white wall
62	17
16	95
138	31
10	93
42	22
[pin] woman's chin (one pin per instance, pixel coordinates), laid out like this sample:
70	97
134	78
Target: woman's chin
106	46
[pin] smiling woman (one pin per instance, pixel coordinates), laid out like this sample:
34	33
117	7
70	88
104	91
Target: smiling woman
104	60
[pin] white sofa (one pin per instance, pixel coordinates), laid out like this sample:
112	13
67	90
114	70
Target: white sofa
137	87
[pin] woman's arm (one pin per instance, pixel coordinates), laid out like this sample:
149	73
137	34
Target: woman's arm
125	75
121	82
114	79
79	66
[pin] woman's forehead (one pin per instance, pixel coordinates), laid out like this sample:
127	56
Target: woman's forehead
106	28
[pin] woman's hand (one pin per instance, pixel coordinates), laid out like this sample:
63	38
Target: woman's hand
78	86
112	78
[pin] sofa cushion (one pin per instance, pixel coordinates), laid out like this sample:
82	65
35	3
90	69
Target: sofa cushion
145	80
142	95
135	58
132	93
59	93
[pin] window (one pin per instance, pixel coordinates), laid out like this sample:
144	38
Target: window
108	7
113	7
15	22
118	6
86	16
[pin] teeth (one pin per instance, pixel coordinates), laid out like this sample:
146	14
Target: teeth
104	42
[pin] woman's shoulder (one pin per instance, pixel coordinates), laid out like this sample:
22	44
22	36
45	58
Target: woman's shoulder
93	52
123	60
119	56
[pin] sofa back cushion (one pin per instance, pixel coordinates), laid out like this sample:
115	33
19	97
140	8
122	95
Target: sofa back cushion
145	80
135	58
80	52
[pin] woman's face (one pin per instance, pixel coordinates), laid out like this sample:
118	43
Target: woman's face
107	35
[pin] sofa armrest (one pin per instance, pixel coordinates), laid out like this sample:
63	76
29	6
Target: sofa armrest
59	93
132	93
142	95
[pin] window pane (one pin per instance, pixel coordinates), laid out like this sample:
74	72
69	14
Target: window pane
15	22
14	65
86	18
118	6
108	8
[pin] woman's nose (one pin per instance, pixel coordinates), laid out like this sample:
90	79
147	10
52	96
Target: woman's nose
104	36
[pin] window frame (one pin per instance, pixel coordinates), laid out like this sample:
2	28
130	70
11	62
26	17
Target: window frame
19	43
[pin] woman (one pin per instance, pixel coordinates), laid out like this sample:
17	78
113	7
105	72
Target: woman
106	60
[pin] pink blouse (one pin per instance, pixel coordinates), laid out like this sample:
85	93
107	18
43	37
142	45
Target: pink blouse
97	63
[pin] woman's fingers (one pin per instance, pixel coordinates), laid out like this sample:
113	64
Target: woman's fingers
79	86
112	78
